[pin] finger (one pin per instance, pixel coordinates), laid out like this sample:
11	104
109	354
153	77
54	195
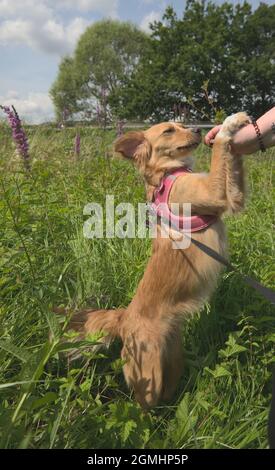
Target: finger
208	138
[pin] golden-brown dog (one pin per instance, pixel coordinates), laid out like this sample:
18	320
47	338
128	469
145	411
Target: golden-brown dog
176	282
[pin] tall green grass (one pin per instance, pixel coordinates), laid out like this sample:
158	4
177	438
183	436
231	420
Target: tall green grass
50	401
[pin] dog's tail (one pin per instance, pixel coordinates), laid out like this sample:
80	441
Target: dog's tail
91	321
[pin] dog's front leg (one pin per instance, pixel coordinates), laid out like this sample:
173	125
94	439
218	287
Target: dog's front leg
173	365
226	167
223	188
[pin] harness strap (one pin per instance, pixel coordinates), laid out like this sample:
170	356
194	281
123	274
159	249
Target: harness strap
266	292
193	223
169	218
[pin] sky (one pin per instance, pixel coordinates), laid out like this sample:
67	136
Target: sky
36	34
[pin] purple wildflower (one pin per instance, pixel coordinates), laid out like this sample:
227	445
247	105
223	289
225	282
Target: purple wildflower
77	144
18	134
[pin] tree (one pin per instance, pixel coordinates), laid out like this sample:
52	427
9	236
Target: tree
259	68
64	91
214	58
106	54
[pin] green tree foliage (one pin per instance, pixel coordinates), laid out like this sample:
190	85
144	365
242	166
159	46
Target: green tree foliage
106	54
215	57
64	91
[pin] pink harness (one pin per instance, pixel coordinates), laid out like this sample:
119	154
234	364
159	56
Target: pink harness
193	223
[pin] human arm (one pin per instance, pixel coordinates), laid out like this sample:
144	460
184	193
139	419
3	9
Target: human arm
245	140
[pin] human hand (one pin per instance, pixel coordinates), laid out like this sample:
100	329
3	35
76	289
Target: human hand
244	142
210	136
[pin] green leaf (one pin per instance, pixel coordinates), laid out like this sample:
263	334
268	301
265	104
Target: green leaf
13	384
20	353
185	417
127	429
55	327
48	398
218	372
232	348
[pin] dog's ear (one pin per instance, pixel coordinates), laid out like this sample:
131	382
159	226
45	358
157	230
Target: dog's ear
128	143
135	147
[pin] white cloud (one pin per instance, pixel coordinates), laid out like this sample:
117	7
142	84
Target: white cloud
14	31
34	108
12	94
147	2
34	23
42	25
150	18
17	7
107	7
48	36
75	29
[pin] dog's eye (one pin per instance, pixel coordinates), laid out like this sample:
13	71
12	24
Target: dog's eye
170	130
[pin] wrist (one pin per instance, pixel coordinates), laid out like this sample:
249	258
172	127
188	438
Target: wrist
245	141
259	135
266	124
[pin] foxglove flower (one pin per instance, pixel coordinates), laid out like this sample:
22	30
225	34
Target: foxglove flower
18	134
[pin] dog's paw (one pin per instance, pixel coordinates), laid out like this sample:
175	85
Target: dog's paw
233	123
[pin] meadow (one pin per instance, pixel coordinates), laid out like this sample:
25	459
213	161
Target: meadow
49	400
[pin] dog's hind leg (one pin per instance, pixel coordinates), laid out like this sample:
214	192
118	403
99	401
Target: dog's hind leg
143	369
173	367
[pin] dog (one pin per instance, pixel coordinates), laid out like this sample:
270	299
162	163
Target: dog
176	282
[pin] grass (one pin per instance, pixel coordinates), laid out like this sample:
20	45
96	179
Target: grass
48	401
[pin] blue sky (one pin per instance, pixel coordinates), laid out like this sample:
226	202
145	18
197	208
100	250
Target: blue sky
36	34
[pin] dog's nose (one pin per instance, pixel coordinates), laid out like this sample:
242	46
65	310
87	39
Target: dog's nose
196	130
